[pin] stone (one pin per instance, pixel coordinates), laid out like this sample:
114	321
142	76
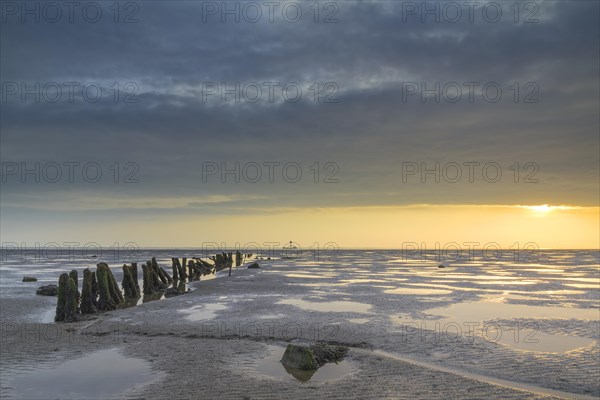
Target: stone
48	290
326	353
299	357
254	265
29	279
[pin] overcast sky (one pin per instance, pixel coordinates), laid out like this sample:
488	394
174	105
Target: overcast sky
368	130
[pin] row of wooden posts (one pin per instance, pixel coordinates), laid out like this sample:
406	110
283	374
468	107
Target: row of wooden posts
100	291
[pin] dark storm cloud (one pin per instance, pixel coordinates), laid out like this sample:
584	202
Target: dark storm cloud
369	54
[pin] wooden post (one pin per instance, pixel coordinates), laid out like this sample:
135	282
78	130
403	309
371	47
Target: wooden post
128	285
73	275
105	302
175	261
147	280
134	275
182	273
88	303
62	297
72	301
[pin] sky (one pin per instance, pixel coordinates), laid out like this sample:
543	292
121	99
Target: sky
372	124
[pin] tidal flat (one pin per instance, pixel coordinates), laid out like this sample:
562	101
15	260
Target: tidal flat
474	329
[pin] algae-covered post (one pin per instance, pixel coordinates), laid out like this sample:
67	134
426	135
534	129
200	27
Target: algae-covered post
134	275
62	297
175	261
181	270
114	287
88	301
94	288
147	280
128	283
106	302
158	271
166	274
182	273
71	302
73	275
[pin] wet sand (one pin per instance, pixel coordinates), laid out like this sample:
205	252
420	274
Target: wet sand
215	341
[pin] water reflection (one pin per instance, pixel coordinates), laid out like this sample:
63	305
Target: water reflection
272	367
100	375
328	306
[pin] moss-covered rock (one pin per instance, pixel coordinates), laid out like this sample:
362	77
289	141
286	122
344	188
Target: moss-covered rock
299	357
48	290
29	279
326	353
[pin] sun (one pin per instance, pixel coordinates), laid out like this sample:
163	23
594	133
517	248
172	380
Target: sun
543	209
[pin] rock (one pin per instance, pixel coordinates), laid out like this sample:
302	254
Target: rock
48	290
299	357
310	358
441	266
29	279
176	291
326	353
254	265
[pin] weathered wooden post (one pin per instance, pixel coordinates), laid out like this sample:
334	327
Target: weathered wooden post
175	261
88	301
106	301
182	273
159	272
73	275
94	289
115	291
147	280
166	274
134	275
72	301
62	297
128	285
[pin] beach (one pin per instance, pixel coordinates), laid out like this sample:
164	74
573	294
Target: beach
473	329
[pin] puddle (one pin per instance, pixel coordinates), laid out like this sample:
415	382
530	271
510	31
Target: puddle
417	291
100	375
203	312
312	275
583	285
359	320
528	337
271	366
328	306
